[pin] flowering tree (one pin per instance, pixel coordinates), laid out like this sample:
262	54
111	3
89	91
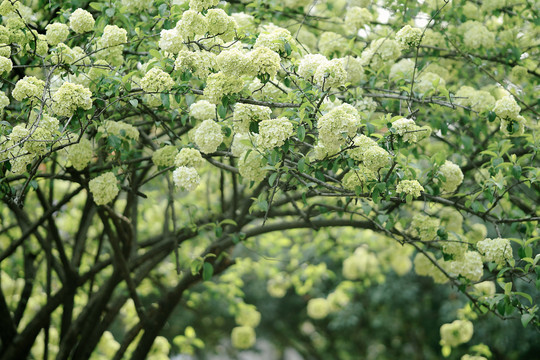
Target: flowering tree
153	154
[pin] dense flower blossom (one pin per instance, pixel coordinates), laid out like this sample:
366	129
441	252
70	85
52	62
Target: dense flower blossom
274	132
81	21
453	177
113	36
274	38
120	129
331	74
457	332
484	289
28	87
507	108
56	33
429	81
244	114
247	315
353	66
409	36
220	84
156	80
265	61
4	101
380	53
171	41
202	110
361	263
208	136
497	250
243	337
251	166
186	178
199	63
69	97
425	227
80	154
190	158
477	35
220	24
408	129
235	62
331	43
5	65
165	156
104	188
200	5
478	232
469	265
375	158
356	18
191	24
410	187
309	64
361	144
357	178
137	5
318	308
338	124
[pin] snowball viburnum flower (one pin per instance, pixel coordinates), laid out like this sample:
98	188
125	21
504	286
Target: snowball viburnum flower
410	187
156	80
69	97
318	308
409	36
457	332
56	33
274	132
104	188
452	174
497	250
243	337
189	157
186	177
208	136
165	156
81	21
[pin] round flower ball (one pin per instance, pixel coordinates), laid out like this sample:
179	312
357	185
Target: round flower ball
186	177
243	337
104	188
318	308
81	21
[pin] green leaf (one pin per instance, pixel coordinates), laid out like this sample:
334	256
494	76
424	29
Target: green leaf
208	271
134	102
222	111
526	319
110	12
301	132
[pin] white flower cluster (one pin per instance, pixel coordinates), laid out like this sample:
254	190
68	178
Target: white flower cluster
220	24
357	178
251	166
186	177
331	74
5	65
69	97
243	337
429	81
120	129
28	87
56	33
497	250
135	6
409	37
244	114
337	125
356	17
265	61
104	188
191	24
425	227
353	66
274	38
202	110
190	158
380	53
453	177
309	64
469	265
112	36
81	21
80	154
208	136
331	43
361	143
362	263
478	100
220	84
457	332
165	156
410	132
199	63
402	70
171	41
4	101
274	132
200	5
318	308
410	187
156	80
376	158
477	35
424	267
